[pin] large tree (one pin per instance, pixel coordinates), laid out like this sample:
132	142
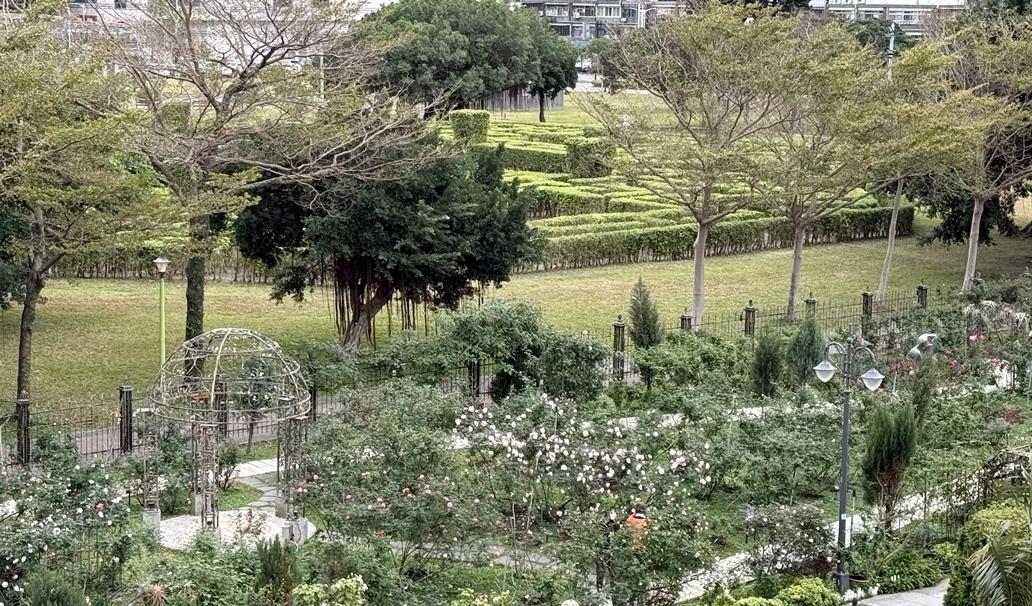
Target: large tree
717	81
976	194
436	237
453	49
67	182
556	64
240	94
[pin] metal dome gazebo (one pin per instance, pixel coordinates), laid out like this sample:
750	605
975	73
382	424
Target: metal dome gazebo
222	378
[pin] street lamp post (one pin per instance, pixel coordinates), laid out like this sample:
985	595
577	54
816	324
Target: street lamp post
161	263
852	356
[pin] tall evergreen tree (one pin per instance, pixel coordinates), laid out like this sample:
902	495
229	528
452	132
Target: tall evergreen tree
644	316
891	442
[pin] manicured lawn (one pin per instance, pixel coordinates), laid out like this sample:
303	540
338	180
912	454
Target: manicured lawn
93	334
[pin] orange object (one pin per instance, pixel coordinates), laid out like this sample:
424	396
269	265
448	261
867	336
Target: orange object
637	521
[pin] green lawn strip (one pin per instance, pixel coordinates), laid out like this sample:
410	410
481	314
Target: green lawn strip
92	335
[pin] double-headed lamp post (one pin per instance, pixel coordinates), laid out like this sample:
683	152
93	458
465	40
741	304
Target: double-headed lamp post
853	357
161	263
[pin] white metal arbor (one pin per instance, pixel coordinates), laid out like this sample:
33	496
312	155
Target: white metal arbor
214	380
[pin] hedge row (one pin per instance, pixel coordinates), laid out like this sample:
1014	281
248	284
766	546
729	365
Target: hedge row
536	157
673	214
471	125
729	237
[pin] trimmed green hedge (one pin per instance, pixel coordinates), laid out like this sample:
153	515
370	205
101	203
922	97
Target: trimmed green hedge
536	157
550	201
673	214
590	157
727	237
471	125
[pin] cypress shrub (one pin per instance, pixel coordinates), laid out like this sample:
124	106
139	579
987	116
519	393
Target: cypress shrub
891	440
48	588
805	351
470	125
644	316
767	365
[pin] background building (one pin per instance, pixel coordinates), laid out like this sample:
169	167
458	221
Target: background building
909	15
583	20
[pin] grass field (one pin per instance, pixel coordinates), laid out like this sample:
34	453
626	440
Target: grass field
93	334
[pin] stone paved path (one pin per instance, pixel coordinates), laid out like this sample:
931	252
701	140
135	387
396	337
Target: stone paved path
930	596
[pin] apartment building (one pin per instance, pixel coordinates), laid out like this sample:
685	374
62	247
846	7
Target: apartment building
910	15
583	20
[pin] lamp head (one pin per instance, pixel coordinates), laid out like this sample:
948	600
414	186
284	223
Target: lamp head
162	264
825	371
872	379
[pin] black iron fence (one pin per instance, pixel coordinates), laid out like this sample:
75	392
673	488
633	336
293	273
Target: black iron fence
106	429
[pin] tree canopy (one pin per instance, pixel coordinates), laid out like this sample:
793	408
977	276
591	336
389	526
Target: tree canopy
435	237
452	49
556	68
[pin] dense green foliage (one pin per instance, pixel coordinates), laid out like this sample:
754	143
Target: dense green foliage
643	314
456	52
768	365
470	125
890	443
804	351
436	236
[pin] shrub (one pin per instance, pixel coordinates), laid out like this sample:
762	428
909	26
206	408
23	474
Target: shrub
891	440
590	157
277	569
768	362
808	592
467	597
785	537
536	157
805	351
754	601
571	366
686	358
470	125
349	591
645	330
48	588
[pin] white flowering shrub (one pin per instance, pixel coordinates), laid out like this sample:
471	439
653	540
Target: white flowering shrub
72	519
386	469
549	471
784	537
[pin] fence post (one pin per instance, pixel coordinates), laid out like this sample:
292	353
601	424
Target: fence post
313	393
1027	274
474	378
125	418
811	307
922	296
750	319
686	321
867	304
619	345
21	413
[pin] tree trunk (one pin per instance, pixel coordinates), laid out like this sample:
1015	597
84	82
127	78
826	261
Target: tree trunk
699	278
196	274
541	106
363	311
33	287
972	256
890	247
797	270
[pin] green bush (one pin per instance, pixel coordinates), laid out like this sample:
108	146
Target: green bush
674	242
767	365
536	157
906	572
805	351
470	125
48	588
590	157
551	201
277	569
754	601
975	534
808	592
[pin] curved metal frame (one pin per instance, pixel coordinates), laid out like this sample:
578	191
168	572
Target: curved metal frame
222	371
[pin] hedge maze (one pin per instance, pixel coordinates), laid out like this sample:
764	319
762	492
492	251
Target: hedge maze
590	216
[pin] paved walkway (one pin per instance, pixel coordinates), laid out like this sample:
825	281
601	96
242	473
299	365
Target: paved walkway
930	596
